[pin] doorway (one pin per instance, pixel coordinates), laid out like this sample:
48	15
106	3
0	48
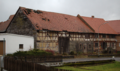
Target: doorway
1	47
63	44
104	45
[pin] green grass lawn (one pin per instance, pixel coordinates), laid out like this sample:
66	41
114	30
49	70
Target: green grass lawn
105	67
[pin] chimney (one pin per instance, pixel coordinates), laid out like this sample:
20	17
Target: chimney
93	17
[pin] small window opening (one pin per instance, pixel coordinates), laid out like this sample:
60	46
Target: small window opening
96	35
20	47
104	36
89	46
84	47
96	44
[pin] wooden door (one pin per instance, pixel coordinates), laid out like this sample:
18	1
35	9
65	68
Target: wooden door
1	47
63	44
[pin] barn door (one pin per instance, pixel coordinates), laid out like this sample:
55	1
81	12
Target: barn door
63	44
1	47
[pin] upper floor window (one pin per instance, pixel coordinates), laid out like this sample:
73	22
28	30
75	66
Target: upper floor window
111	36
87	35
96	36
104	36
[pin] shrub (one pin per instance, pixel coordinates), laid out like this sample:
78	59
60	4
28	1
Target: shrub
50	51
72	53
9	54
34	52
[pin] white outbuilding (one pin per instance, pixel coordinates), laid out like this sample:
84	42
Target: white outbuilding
10	43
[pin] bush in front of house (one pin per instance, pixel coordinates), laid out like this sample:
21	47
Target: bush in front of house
50	51
72	53
34	52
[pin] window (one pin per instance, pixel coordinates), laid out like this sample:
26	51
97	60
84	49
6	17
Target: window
113	36
96	36
113	45
20	47
84	47
87	36
104	36
110	36
80	46
89	46
96	44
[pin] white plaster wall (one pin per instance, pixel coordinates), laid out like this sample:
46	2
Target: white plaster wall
13	41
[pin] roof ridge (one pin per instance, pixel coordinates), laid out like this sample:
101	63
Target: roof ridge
113	20
49	11
93	18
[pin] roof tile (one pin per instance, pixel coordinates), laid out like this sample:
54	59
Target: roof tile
96	22
56	21
4	25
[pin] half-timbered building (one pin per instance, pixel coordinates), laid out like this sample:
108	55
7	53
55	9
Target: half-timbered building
62	33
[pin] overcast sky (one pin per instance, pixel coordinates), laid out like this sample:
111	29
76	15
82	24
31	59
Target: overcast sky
106	9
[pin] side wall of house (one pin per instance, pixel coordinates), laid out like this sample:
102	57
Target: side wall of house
79	42
21	25
13	41
108	41
64	42
118	43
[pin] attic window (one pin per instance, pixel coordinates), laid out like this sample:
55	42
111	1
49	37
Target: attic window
38	12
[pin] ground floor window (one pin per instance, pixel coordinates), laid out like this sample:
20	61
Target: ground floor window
96	44
20	47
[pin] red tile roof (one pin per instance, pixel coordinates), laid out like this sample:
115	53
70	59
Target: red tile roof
96	22
55	21
4	25
115	24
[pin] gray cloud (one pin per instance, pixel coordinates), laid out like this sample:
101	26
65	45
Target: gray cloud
106	9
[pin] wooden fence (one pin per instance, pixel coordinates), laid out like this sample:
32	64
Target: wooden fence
12	64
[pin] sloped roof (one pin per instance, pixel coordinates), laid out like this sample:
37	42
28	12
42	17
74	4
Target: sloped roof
55	21
115	24
96	22
4	25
